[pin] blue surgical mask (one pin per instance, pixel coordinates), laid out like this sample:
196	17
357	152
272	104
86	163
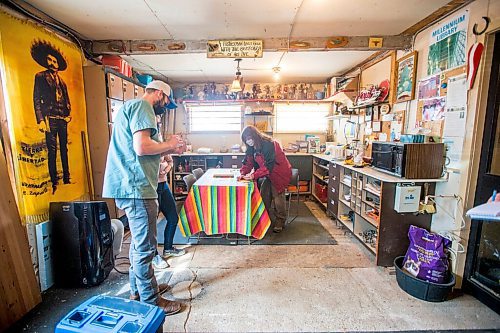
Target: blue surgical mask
249	142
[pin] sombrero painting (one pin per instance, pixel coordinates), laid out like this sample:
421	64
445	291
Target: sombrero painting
40	49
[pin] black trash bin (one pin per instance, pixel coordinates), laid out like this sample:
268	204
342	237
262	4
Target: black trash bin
427	291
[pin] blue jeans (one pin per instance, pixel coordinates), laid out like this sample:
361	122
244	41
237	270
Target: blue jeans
142	214
166	202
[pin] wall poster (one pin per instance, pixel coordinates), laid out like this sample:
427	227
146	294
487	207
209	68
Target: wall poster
42	81
407	67
448	42
434	109
429	87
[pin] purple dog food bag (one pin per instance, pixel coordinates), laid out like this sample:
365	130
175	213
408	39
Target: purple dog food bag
426	258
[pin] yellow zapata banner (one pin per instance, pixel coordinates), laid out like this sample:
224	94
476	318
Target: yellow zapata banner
42	84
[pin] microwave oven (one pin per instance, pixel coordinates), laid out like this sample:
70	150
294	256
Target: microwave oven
409	160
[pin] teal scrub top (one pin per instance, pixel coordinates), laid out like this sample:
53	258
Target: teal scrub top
127	174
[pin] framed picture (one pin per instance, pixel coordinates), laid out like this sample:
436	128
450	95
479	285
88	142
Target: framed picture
407	72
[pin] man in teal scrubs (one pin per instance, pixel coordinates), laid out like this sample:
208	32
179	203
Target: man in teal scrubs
131	178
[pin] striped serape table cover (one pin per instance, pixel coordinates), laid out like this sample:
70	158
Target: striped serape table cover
218	204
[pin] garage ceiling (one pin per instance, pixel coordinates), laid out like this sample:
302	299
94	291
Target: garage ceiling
225	19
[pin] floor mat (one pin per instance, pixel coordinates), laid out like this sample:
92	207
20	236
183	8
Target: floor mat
304	230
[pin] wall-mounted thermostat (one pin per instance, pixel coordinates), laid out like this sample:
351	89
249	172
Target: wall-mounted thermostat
407	198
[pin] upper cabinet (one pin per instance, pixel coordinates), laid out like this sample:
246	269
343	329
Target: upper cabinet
128	90
115	86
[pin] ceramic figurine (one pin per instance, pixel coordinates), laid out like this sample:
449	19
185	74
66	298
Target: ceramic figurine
254	90
292	91
259	91
310	92
212	90
201	95
277	92
267	91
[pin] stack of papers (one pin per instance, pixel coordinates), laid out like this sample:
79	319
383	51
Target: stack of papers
487	212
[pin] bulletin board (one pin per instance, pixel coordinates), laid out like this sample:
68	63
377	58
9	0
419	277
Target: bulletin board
435	123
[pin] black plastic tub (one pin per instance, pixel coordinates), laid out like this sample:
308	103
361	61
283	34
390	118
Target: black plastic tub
427	291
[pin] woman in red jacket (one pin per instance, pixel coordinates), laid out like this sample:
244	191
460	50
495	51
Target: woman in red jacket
271	170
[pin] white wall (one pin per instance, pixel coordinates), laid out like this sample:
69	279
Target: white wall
462	181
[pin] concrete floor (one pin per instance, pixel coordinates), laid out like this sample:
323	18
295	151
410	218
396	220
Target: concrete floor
306	288
284	288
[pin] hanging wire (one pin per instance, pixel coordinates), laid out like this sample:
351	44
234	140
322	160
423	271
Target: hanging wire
57	27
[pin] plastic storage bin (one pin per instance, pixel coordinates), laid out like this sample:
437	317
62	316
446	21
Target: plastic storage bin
321	192
108	314
427	291
144	79
117	64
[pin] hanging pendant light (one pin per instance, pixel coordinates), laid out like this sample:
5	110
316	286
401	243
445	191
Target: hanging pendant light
236	86
276	74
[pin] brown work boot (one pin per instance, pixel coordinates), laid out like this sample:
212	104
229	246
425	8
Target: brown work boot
162	287
169	307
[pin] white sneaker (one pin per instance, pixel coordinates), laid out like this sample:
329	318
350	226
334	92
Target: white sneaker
159	263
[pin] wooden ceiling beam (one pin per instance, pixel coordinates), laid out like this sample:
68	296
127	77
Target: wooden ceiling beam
166	46
434	17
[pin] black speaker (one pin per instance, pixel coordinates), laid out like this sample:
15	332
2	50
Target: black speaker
82	241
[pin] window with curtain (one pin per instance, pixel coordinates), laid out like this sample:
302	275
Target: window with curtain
301	117
214	118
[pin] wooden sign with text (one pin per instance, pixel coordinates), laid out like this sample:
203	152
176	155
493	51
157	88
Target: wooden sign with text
249	48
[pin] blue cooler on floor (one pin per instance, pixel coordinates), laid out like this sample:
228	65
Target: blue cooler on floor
113	315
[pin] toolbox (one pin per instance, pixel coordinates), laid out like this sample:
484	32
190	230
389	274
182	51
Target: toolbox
108	314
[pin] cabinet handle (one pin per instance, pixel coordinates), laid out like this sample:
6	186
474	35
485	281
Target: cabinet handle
332	202
234	166
334	177
333	190
234	157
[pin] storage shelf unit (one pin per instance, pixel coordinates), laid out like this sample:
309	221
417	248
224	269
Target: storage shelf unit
320	181
386	236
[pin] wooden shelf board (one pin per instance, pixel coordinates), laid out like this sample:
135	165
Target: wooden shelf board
348	224
371	191
368	246
371	205
370	220
320	178
345	203
342	182
322	166
316	197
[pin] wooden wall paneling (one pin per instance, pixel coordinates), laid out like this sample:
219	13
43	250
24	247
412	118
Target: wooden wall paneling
393	78
19	290
4	129
99	128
